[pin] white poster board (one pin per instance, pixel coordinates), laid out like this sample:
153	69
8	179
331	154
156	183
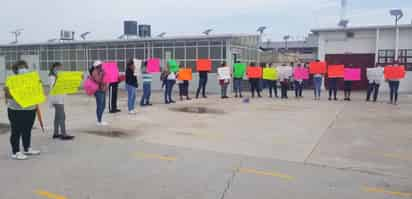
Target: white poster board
375	74
284	72
223	73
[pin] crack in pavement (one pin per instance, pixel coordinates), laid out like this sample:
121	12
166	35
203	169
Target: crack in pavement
230	180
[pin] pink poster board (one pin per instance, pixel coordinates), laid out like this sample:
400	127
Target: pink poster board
153	65
352	74
301	73
111	72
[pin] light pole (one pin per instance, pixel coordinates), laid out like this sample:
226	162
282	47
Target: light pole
207	32
260	30
286	38
398	14
83	35
16	34
161	34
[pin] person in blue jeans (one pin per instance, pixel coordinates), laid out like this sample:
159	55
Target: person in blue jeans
170	80
333	88
394	87
97	74
131	86
147	87
317	83
203	76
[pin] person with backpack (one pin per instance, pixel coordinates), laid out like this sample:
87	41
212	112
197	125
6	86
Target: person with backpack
57	101
21	119
97	74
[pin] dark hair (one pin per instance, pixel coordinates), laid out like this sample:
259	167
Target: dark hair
19	64
130	62
54	66
252	63
223	64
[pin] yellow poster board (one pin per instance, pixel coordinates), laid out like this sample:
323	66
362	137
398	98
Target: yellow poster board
67	83
26	89
270	74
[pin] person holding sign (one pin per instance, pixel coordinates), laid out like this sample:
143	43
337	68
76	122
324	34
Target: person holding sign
238	73
317	68
170	80
184	75
224	76
393	82
21	119
203	76
97	75
131	85
147	86
375	77
270	76
284	74
298	83
254	74
57	101
334	73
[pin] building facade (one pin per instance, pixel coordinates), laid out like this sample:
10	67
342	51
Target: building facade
79	55
367	46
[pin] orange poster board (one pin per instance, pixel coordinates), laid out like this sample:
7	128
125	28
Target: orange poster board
185	74
204	65
394	72
317	68
254	72
336	71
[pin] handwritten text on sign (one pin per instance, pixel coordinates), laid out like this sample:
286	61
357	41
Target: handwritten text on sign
67	83
26	89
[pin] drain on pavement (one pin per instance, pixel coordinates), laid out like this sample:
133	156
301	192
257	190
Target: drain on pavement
109	133
198	110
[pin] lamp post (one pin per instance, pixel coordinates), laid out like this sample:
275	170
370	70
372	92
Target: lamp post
398	14
260	30
286	38
83	35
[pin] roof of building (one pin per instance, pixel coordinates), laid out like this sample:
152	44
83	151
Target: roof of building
186	37
355	28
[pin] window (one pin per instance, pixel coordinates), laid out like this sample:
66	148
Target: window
203	52
386	57
405	58
190	53
179	53
157	52
216	52
112	54
129	53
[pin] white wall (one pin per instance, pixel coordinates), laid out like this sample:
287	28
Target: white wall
2	69
364	41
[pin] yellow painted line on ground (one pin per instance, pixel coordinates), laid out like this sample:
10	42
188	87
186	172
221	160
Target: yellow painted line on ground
49	195
155	156
380	190
397	156
266	173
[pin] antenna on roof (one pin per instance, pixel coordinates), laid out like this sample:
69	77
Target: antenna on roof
207	32
83	35
161	34
16	34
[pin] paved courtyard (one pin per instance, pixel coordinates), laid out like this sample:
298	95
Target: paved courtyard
219	149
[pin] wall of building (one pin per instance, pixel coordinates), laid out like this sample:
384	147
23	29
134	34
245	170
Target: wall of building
365	41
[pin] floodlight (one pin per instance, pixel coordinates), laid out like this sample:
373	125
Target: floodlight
161	34
207	32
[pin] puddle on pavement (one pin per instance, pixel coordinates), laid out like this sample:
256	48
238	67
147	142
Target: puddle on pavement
115	133
198	110
4	128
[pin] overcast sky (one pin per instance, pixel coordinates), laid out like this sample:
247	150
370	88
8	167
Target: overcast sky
43	19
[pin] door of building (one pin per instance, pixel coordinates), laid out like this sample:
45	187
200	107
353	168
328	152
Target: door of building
362	61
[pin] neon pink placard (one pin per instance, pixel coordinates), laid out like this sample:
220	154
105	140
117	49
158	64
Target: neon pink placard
352	74
111	72
153	65
301	73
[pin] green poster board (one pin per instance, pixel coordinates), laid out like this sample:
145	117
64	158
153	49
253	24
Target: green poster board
173	66
239	70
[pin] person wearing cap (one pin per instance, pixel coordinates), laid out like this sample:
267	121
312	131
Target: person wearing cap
97	74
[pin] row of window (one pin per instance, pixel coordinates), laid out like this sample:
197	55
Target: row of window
388	57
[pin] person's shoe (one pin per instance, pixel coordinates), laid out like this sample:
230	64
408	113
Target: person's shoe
117	110
336	99
259	96
205	96
167	102
149	104
235	96
188	98
56	136
171	101
66	137
102	123
18	156
132	112
222	97
181	98
241	96
329	99
112	112
30	151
